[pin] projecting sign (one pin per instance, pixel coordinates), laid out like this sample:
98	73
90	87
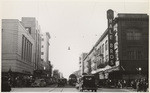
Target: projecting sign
110	16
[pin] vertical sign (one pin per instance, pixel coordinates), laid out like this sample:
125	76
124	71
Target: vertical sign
110	16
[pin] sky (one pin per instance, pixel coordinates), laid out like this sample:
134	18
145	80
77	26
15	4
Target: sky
77	24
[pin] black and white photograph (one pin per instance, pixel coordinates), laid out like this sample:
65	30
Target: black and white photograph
74	45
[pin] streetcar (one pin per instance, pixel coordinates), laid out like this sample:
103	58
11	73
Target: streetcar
87	82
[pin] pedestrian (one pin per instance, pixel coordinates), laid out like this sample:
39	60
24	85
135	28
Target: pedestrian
139	85
144	84
119	84
124	83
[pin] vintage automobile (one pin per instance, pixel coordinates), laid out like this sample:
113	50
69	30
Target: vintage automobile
62	82
87	82
39	83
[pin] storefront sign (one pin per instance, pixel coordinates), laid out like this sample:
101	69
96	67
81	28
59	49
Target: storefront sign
110	16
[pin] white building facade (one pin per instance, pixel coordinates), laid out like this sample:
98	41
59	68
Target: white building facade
81	63
45	50
18	48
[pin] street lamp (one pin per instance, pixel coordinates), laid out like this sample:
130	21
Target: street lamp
139	70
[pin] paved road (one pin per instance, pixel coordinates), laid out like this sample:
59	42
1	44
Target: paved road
66	89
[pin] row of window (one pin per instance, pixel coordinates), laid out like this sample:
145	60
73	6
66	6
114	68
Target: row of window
26	49
101	49
133	34
134	55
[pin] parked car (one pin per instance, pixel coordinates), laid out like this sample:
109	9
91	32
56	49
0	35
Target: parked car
6	87
39	83
87	82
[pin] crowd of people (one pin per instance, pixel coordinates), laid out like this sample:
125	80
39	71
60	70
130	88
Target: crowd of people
138	84
21	81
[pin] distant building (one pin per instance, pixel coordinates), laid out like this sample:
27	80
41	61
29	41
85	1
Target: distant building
61	75
77	73
45	50
18	48
81	64
31	25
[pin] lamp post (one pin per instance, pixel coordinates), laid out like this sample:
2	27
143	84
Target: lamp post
140	69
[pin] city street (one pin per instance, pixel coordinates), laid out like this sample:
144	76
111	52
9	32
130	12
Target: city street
87	46
67	89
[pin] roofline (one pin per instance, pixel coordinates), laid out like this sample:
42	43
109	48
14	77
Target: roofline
99	40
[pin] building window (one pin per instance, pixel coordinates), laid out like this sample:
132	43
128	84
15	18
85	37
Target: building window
100	50
133	34
28	29
42	53
116	54
26	54
42	39
134	55
41	59
106	45
103	48
42	46
106	58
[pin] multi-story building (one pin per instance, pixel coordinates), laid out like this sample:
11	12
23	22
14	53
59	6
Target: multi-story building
18	48
81	64
31	25
122	50
45	50
21	46
132	39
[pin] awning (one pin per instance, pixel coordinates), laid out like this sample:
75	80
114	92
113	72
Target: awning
106	69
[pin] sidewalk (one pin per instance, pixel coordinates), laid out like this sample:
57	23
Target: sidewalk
129	89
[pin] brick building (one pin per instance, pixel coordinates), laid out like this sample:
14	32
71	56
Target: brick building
122	50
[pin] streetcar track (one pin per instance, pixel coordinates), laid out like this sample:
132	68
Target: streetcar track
52	89
62	90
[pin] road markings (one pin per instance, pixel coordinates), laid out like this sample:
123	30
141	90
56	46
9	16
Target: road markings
52	89
62	90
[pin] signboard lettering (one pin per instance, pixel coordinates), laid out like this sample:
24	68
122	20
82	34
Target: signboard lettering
110	16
